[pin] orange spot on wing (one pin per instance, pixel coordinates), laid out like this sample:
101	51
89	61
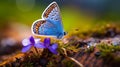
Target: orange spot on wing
38	24
49	10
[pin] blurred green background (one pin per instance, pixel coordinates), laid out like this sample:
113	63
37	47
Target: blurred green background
17	16
75	13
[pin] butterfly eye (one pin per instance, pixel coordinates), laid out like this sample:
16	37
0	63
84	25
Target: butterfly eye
65	33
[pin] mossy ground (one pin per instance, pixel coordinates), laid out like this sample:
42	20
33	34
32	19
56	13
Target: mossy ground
75	47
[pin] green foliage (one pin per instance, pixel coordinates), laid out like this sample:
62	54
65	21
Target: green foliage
91	49
67	63
70	47
110	52
28	64
51	64
108	48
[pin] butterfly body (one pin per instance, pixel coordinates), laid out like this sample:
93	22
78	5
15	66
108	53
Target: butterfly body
50	24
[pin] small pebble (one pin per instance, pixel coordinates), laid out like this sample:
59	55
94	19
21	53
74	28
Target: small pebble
97	54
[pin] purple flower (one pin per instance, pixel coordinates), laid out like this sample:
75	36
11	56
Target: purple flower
28	43
51	47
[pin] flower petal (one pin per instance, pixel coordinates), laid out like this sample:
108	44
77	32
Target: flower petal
39	45
26	42
47	42
26	48
37	40
53	50
54	46
32	40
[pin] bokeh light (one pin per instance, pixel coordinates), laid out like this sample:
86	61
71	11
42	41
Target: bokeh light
25	5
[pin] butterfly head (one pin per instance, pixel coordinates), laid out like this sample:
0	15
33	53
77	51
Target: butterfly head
65	33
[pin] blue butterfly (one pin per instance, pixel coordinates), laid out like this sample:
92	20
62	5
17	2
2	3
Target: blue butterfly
50	24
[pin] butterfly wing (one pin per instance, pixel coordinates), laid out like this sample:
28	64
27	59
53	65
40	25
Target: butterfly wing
43	27
52	12
36	25
52	24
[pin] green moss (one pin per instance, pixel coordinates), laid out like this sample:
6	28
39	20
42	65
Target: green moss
108	48
28	64
67	63
90	50
109	53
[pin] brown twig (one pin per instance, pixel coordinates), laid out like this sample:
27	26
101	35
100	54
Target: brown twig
74	60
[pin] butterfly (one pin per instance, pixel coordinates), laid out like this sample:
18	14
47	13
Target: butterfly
50	24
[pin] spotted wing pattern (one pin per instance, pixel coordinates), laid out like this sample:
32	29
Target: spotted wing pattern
52	12
36	26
